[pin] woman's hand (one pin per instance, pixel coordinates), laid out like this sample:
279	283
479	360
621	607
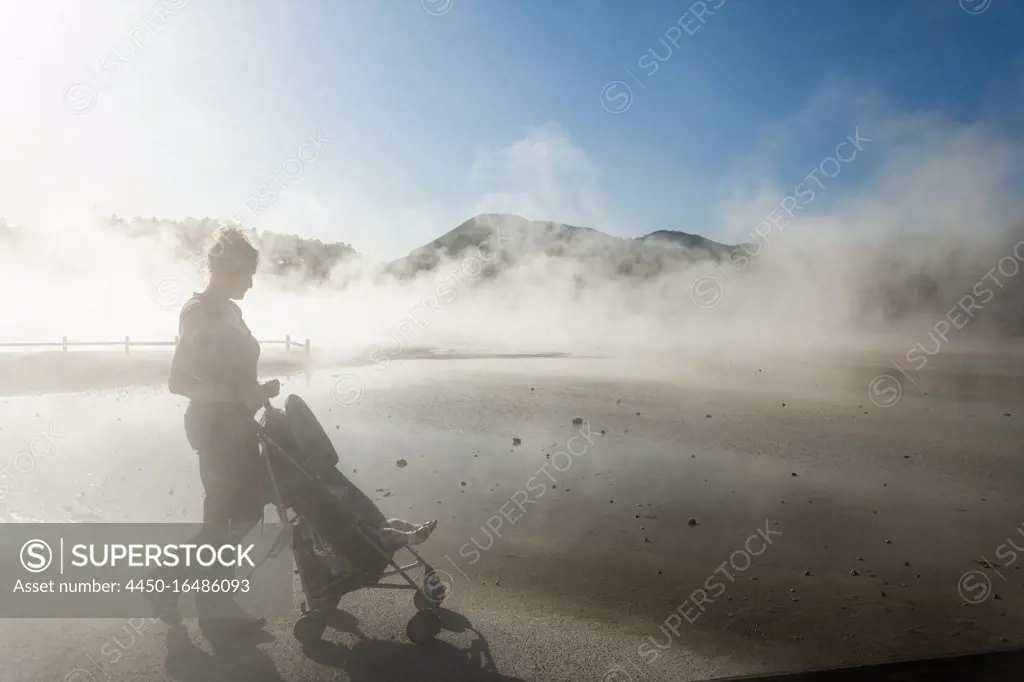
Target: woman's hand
261	394
255	398
272	388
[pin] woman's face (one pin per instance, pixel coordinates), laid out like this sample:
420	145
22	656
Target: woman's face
238	280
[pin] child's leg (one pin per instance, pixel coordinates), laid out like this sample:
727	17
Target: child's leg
423	532
393	537
402	525
398	533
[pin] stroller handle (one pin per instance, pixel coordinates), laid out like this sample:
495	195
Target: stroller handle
258	421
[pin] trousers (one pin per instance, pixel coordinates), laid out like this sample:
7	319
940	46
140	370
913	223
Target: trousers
235	485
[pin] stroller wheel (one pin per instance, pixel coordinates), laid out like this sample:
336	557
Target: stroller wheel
309	629
427	598
422	603
432	593
423	627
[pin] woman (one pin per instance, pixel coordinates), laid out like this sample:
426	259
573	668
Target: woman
214	366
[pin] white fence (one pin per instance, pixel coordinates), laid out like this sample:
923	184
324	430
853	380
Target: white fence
127	344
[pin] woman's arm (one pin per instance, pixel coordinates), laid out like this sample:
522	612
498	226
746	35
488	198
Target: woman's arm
185	379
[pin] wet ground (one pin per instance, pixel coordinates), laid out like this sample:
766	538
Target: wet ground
704	519
43	371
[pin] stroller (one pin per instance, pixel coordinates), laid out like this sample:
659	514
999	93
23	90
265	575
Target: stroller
331	524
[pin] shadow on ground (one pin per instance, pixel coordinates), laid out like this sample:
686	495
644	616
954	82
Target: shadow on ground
236	659
371	660
995	666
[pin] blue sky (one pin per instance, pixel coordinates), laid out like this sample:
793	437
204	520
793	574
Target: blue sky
490	105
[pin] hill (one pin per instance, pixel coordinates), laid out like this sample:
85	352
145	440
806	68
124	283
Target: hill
515	238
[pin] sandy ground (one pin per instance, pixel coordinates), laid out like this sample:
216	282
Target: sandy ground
827	528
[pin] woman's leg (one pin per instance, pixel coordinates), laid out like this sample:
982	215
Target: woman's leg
221	501
234	478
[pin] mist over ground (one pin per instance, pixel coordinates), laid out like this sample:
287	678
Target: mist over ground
927	250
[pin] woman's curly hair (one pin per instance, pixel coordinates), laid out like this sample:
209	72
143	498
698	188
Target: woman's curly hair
232	250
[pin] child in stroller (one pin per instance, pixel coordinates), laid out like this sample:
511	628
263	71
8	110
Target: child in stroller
391	535
342	542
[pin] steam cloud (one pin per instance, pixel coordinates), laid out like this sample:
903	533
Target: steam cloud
876	263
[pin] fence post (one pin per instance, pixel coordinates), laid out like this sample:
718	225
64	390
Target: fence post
64	344
127	343
288	343
307	352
